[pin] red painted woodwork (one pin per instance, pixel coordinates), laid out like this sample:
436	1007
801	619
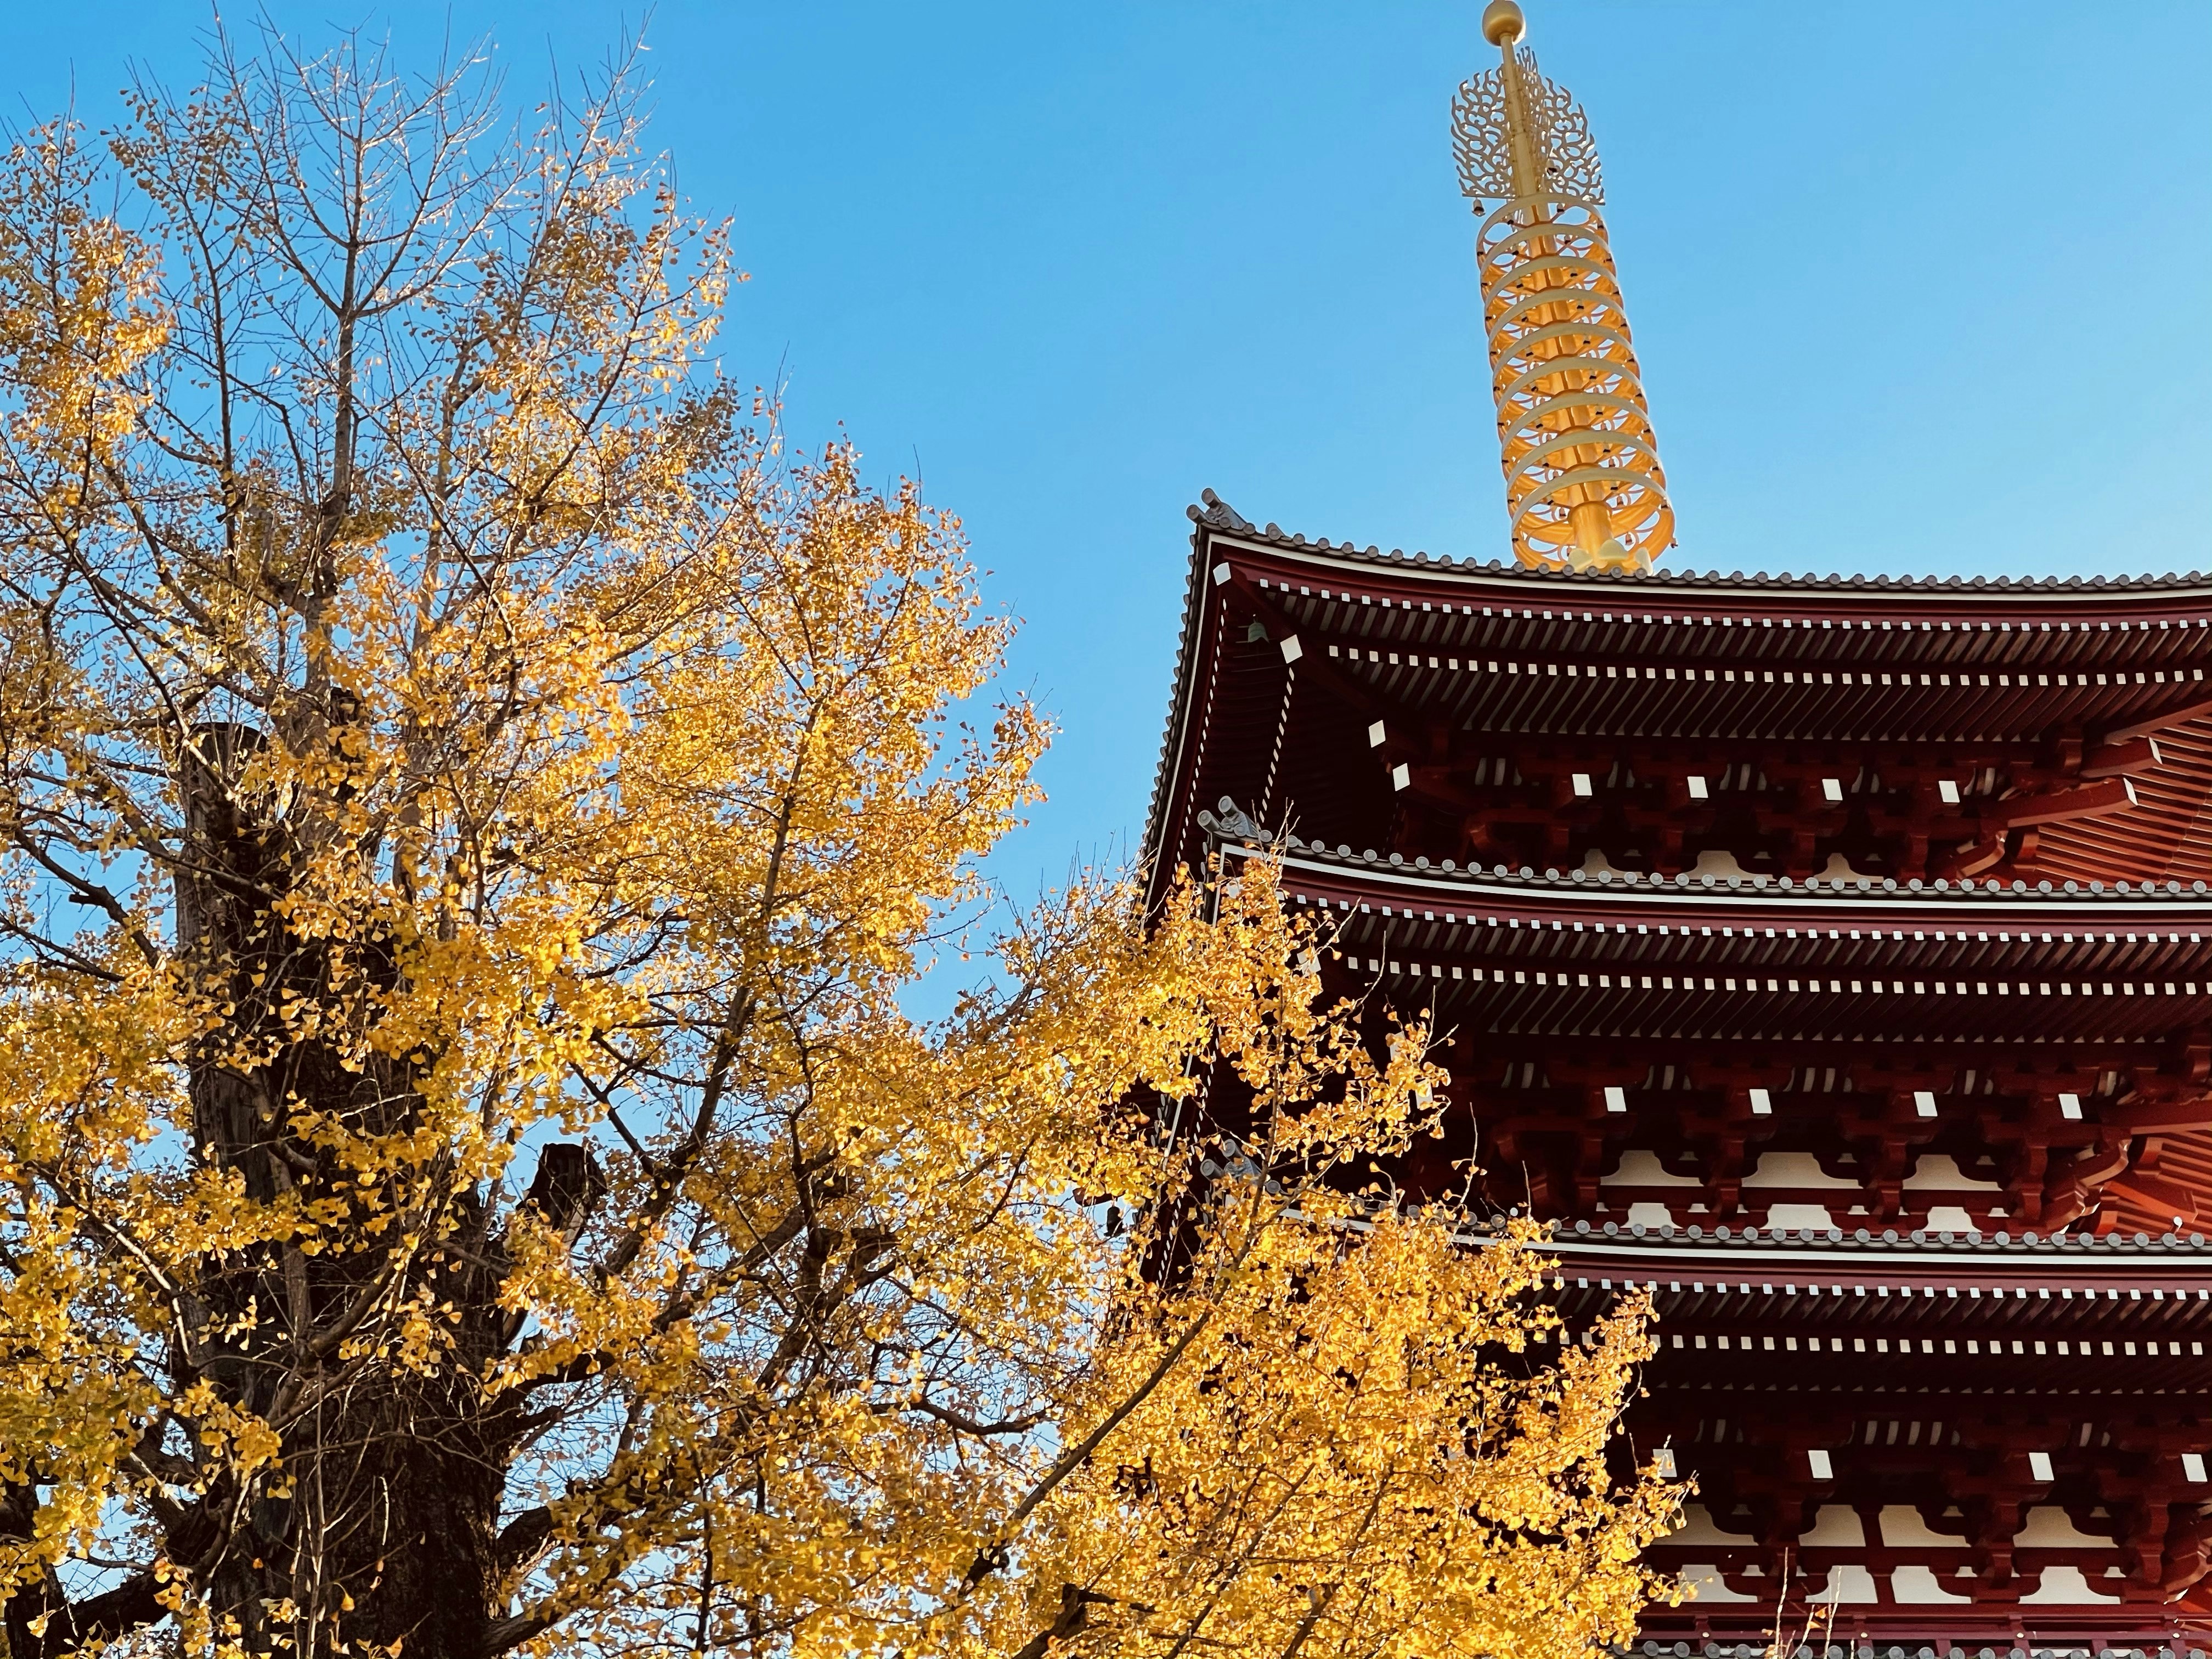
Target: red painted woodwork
1829	955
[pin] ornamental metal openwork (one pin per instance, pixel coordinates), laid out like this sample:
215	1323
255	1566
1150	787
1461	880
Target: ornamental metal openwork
1583	485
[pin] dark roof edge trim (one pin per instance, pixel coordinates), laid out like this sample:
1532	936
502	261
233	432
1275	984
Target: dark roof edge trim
1463	886
2192	1255
1273	542
1150	850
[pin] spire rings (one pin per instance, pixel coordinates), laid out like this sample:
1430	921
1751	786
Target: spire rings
1574	430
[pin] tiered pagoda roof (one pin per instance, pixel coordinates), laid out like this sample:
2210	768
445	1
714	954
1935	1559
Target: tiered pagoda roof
1890	689
1828	955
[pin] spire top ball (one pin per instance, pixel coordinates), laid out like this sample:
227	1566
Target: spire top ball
1503	23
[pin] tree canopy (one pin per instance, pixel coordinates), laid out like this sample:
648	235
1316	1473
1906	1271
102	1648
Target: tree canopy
476	807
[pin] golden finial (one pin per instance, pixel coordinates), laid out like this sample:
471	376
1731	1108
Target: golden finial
1582	480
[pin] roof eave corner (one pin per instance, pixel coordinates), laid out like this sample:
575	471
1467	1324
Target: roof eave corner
1209	515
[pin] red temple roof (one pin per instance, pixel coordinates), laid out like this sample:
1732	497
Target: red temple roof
1826	956
2078	714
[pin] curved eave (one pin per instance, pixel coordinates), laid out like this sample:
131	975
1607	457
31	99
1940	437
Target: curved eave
1843	621
1834	595
1690	901
2181	1265
1169	772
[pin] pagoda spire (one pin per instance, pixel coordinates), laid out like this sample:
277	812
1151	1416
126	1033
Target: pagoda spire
1584	484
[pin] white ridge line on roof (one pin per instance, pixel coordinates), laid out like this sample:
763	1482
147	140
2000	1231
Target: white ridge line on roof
1876	1256
1739	1256
1643	895
1450	567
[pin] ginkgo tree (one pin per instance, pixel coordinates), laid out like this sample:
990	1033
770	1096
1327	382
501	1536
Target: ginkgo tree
474	807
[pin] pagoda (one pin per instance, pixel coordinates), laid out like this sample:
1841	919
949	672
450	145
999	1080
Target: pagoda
1825	955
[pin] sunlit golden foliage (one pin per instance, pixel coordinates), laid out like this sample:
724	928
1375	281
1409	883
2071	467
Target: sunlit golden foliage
477	811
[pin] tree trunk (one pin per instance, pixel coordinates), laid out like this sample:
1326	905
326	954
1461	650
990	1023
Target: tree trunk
384	1526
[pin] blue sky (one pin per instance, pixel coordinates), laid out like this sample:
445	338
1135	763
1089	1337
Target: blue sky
1916	289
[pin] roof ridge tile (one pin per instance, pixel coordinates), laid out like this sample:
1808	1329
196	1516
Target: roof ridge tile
1219	514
